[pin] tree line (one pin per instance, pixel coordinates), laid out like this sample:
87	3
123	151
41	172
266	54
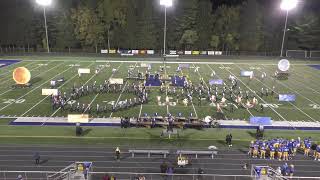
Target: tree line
248	25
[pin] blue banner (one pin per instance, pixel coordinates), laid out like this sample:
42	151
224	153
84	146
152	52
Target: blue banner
260	120
216	82
287	97
4	63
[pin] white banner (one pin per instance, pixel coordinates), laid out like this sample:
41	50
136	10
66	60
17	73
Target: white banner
218	53
150	51
116	81
104	51
173	52
83	71
78	118
135	51
187	52
203	53
49	92
211	53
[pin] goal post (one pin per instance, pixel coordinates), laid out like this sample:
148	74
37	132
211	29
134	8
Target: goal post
297	54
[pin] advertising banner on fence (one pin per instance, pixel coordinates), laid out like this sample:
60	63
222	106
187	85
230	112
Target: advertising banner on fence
142	51
187	52
203	52
195	52
104	51
211	53
150	51
112	51
219	53
135	51
172	52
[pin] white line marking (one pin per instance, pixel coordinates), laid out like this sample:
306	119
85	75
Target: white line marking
258	96
11	79
48	96
37	86
289	102
124	87
297	92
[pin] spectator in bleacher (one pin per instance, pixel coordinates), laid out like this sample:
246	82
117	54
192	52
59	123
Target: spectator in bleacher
85	173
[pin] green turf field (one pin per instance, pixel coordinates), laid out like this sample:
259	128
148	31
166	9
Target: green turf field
303	82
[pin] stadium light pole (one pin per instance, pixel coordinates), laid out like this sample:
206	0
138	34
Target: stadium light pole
166	4
286	5
44	4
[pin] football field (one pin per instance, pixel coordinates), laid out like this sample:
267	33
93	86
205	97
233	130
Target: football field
28	102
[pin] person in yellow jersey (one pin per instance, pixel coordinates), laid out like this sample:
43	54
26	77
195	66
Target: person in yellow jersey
272	150
279	152
263	151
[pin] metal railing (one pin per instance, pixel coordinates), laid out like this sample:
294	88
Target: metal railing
44	175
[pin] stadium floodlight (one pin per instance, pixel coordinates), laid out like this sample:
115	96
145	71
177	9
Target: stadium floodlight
165	3
286	5
44	4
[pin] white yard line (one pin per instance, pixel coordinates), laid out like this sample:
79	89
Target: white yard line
194	109
140	111
278	93
124	87
96	96
13	88
165	74
232	92
10	79
94	75
37	86
258	96
297	92
49	95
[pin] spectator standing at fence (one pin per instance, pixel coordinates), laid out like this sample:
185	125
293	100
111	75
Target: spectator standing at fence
117	151
163	167
36	157
20	177
85	173
106	177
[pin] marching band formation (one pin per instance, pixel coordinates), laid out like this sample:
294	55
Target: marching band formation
70	101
